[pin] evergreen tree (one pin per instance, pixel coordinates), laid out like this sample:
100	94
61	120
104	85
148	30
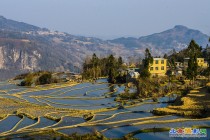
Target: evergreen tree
194	51
193	47
208	59
120	61
165	56
95	67
146	63
94	60
192	69
112	68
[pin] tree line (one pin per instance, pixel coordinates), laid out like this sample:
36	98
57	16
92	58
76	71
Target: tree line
111	66
102	67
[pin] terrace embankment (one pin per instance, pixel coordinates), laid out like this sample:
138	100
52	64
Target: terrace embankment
9	106
195	104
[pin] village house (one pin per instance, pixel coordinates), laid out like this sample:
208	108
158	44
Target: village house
179	64
158	67
132	74
201	62
177	71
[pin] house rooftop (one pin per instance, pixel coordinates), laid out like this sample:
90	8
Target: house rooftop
197	58
158	58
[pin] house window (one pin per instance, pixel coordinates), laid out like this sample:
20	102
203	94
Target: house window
156	61
156	68
151	68
162	61
162	68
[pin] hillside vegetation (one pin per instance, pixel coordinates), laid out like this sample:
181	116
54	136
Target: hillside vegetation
37	78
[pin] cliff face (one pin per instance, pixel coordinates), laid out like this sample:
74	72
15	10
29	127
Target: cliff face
46	50
25	55
18	59
2	66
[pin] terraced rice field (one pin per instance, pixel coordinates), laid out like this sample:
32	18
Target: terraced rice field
69	121
61	108
8	123
123	130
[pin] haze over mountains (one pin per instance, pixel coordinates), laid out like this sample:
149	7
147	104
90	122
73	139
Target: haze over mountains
176	38
25	47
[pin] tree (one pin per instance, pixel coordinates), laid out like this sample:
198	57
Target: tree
95	68
194	48
94	60
120	61
192	68
92	68
45	78
141	88
112	68
194	51
146	63
207	73
165	56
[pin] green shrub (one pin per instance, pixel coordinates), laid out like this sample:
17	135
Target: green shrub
44	79
38	78
27	81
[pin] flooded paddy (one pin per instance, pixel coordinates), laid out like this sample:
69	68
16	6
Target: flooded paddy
122	131
26	122
8	123
93	98
44	122
68	121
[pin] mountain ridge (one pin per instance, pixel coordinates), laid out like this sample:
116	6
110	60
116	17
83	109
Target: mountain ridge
25	47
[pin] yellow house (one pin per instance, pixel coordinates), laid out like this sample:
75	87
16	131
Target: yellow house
202	63
158	67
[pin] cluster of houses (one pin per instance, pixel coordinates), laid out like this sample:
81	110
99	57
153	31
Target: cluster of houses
182	66
159	67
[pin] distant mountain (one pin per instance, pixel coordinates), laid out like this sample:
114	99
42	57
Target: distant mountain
25	47
176	38
12	25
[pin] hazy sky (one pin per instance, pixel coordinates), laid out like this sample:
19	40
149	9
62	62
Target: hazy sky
109	19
